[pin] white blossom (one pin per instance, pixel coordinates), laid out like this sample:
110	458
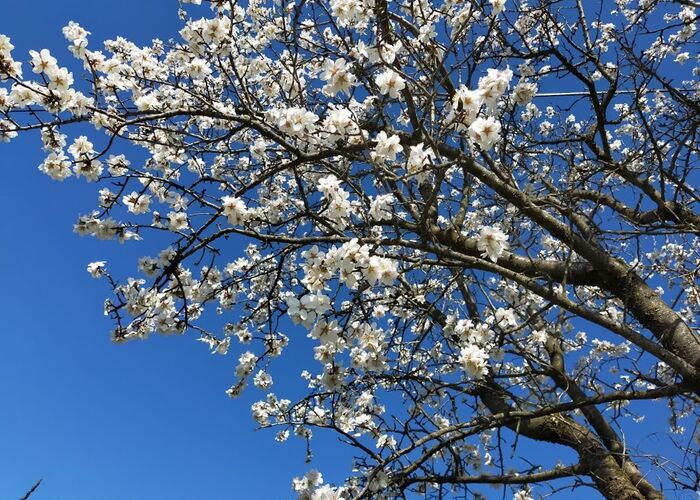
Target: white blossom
388	146
235	210
391	83
137	203
380	208
497	5
338	76
492	242
485	132
96	269
474	360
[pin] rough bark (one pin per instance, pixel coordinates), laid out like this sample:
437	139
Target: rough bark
615	276
612	480
594	417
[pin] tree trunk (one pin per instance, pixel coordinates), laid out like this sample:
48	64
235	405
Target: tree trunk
609	477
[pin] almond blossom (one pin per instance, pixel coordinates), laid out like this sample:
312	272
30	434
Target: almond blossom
235	210
485	132
388	146
338	77
391	83
492	242
474	360
357	196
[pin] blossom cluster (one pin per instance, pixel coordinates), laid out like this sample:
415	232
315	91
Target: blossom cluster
390	196
351	262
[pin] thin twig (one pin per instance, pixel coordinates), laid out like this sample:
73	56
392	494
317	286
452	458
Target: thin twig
32	490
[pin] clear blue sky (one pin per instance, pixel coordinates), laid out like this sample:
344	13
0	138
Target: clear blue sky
145	420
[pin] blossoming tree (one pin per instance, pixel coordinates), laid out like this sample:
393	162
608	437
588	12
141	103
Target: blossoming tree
483	214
